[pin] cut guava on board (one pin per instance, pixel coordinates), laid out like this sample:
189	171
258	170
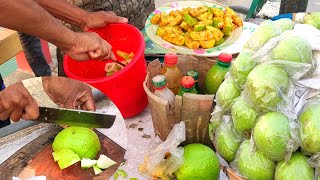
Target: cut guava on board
97	170
104	162
88	163
82	141
65	158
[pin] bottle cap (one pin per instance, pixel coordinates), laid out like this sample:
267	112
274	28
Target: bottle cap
159	81
170	58
187	82
193	74
225	58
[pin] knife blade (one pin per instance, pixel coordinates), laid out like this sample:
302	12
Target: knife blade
71	117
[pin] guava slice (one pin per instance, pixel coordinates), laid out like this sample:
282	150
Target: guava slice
97	170
65	158
105	162
88	163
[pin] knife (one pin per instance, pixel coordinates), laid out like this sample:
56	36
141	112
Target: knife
71	117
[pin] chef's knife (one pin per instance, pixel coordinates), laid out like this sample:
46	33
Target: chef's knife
72	117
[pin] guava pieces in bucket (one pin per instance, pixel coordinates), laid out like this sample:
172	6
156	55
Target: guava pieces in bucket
82	141
97	170
65	158
105	162
127	57
88	163
113	67
200	162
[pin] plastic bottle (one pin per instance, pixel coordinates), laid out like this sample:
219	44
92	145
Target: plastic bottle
195	75
216	73
161	90
187	86
171	71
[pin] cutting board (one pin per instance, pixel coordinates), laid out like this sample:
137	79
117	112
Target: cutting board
35	159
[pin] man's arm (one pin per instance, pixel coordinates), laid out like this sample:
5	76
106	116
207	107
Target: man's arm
29	17
66	11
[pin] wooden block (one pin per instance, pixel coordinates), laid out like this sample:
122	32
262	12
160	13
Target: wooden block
9	45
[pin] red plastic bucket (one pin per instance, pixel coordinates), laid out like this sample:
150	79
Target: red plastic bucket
125	88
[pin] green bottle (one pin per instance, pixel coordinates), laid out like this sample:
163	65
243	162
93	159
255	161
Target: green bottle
187	86
195	75
216	73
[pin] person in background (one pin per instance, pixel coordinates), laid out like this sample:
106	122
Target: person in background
97	14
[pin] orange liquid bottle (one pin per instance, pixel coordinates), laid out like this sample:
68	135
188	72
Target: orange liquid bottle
172	73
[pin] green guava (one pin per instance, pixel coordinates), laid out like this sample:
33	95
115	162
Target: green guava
65	158
293	48
262	35
312	19
242	66
265	86
271	135
227	93
105	162
97	170
88	163
297	168
200	162
227	142
284	24
253	164
82	141
310	128
243	116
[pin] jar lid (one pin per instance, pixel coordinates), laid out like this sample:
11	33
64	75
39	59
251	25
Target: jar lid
225	58
171	58
159	81
187	82
194	74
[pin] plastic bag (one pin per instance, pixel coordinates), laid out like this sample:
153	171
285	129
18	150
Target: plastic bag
242	66
167	157
265	87
262	35
290	46
244	117
296	168
226	140
310	127
227	93
276	136
252	164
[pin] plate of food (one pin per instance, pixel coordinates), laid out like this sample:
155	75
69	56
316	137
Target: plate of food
200	28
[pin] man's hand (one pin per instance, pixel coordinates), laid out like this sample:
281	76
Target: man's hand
69	93
89	45
101	18
16	103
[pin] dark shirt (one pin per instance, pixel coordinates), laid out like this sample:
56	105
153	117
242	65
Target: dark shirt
6	122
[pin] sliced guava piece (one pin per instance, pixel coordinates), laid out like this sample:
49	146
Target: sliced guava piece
97	170
104	162
121	173
88	163
65	158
